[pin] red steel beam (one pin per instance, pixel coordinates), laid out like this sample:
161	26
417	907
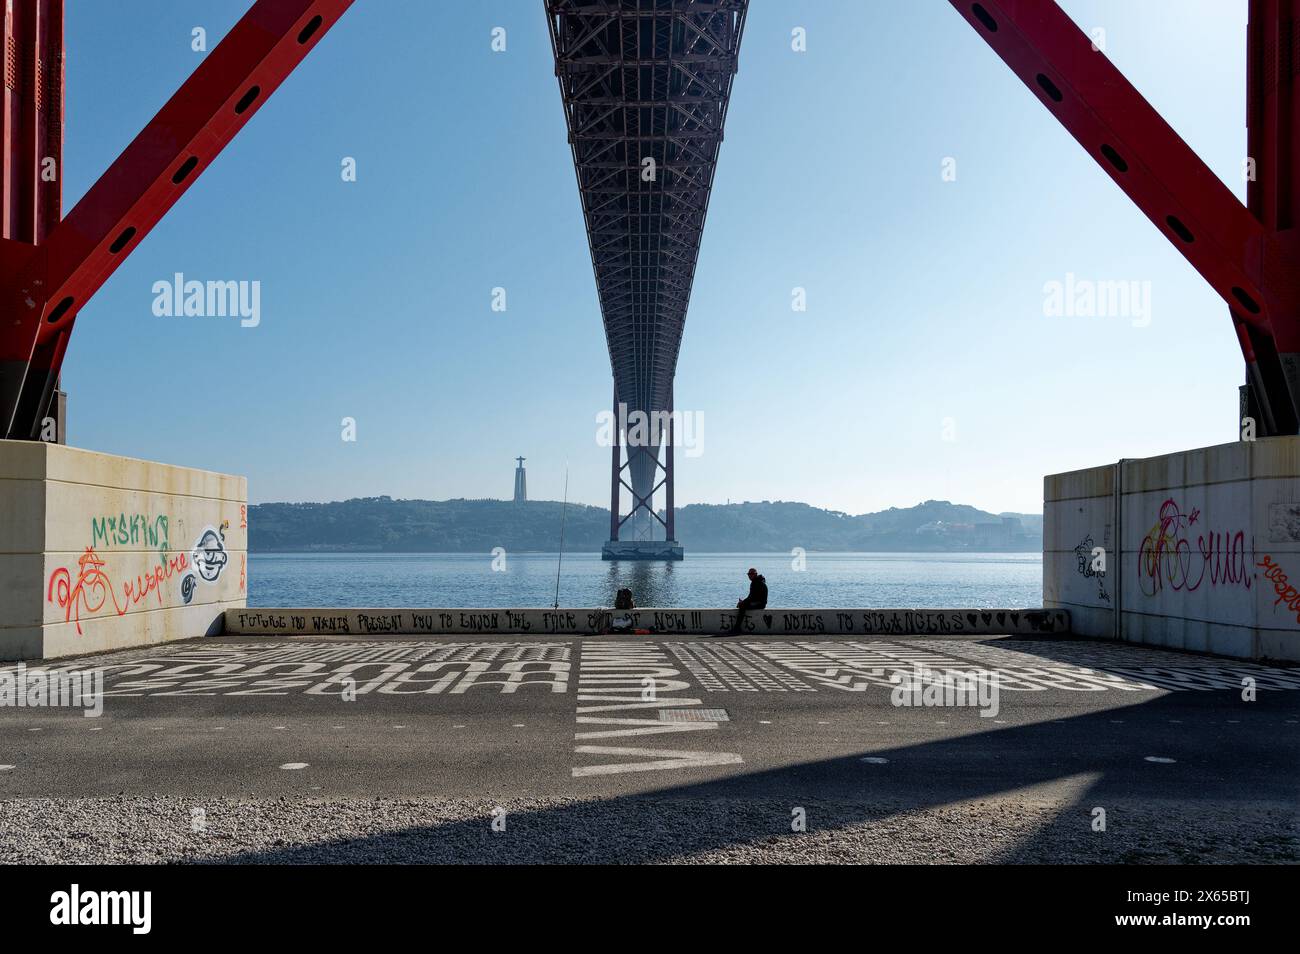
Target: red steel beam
31	117
1273	114
31	137
1273	144
1232	249
40	303
31	157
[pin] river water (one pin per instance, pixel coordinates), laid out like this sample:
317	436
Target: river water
831	580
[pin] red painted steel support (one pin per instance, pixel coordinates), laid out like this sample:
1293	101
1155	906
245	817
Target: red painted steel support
1273	145
1237	253
31	180
1273	114
40	300
31	163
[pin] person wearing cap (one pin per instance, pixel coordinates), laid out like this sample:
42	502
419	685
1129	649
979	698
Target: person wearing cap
756	600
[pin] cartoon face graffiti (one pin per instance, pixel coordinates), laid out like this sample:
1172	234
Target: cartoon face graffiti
209	555
207	560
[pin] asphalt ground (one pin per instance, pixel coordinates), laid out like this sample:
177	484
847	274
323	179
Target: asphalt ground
643	749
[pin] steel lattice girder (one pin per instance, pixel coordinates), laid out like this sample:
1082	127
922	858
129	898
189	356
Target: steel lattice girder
43	286
1247	258
645	79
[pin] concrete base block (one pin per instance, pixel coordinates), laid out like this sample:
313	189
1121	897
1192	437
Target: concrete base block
642	550
99	552
1198	550
698	622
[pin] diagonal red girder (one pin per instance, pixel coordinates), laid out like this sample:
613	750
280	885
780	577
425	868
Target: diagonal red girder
1231	248
39	302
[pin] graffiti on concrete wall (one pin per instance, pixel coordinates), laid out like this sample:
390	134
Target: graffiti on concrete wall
1090	567
1286	593
207	559
135	530
94	587
94	593
1180	553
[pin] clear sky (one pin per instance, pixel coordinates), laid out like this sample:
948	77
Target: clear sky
925	298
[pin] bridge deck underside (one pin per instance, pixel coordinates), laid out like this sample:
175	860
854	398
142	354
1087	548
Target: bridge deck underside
645	85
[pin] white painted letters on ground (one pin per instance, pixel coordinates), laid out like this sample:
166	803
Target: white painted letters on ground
611	677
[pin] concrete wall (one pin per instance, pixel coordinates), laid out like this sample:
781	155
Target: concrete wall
545	622
1210	553
101	552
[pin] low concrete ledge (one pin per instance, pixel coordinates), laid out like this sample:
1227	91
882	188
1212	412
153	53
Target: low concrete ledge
642	550
597	620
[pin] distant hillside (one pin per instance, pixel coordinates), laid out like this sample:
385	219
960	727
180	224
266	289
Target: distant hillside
778	526
476	526
424	526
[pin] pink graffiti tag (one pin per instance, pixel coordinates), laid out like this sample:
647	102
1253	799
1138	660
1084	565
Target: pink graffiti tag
1167	554
93	589
1281	586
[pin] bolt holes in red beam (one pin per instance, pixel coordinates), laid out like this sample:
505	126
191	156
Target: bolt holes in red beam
984	17
1247	302
119	243
60	310
247	99
1113	157
186	168
1182	231
1048	87
310	29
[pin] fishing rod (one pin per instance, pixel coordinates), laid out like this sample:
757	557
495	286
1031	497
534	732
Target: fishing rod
560	562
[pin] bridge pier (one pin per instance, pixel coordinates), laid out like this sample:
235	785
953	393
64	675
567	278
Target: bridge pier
642	434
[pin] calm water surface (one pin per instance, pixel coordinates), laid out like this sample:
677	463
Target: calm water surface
1012	580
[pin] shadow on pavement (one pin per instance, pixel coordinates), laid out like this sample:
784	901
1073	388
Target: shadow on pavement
1229	795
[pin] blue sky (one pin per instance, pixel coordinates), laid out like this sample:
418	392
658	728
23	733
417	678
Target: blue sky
925	297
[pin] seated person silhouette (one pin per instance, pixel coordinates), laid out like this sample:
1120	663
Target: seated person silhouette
756	600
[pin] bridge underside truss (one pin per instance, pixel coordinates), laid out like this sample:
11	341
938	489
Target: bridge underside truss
645	85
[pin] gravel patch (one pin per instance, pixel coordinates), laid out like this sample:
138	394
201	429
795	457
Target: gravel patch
636	829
